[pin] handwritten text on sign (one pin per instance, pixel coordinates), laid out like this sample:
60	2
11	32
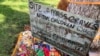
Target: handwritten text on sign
72	32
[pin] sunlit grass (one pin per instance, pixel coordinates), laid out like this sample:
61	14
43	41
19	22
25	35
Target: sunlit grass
2	18
18	5
13	15
51	2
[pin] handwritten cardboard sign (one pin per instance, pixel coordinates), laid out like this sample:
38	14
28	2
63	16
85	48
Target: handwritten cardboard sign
68	32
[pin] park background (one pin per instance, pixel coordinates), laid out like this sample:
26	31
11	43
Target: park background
14	14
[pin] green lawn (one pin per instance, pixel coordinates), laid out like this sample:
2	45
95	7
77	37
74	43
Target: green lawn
13	15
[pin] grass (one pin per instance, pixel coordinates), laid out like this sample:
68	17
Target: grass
13	15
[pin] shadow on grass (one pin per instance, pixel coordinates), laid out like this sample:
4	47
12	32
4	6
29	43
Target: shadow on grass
13	24
1	1
9	29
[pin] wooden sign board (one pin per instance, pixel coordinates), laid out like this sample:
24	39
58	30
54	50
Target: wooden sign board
68	32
